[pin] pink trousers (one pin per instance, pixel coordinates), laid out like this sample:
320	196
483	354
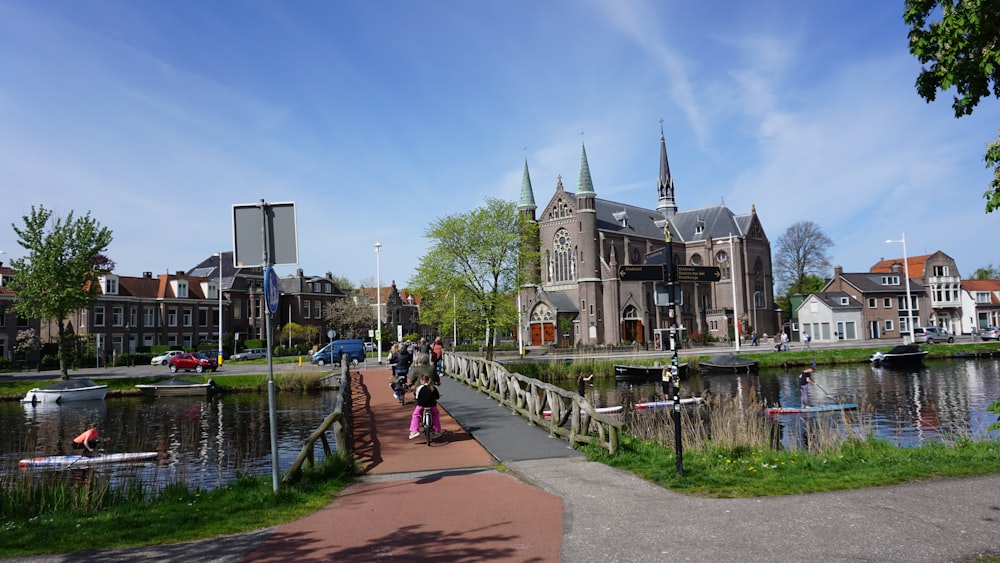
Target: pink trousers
415	421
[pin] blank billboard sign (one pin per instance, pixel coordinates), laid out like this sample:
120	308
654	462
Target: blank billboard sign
249	234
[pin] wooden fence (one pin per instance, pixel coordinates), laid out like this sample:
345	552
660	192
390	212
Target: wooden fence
339	420
572	416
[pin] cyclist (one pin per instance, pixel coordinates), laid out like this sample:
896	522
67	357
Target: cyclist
426	396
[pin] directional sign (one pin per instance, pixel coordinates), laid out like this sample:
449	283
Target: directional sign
697	273
640	273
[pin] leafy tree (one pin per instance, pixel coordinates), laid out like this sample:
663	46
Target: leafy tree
802	250
963	51
295	333
351	317
987	273
478	257
59	275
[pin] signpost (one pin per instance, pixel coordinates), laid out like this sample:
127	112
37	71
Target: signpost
697	273
641	273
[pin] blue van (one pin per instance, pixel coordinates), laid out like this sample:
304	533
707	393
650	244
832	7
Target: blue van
355	350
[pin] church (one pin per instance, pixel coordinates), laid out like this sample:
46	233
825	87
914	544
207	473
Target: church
578	298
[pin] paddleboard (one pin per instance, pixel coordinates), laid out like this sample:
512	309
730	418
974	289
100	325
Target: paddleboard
817	408
653	405
64	461
602	410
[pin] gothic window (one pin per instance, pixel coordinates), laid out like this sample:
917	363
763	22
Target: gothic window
541	312
696	259
563	257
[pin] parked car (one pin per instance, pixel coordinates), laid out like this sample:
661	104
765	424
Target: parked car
932	334
990	333
193	361
250	354
369	347
355	350
164	358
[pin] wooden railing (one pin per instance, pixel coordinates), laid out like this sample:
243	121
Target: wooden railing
572	416
339	420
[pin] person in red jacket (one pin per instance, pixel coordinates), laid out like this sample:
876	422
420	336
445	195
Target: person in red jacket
87	440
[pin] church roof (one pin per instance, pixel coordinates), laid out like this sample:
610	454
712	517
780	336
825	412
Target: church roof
686	226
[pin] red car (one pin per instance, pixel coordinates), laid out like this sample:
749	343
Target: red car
197	362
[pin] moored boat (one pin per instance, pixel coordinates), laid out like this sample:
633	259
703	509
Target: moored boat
176	387
67	461
656	405
811	409
600	410
904	355
67	390
645	373
728	363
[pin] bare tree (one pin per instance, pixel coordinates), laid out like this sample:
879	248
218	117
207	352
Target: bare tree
802	251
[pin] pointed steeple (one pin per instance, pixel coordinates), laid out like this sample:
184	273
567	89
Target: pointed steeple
586	183
527	195
665	183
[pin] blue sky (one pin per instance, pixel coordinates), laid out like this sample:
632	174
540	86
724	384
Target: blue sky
375	117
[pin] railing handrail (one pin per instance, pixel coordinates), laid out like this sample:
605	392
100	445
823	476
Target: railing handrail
530	397
339	419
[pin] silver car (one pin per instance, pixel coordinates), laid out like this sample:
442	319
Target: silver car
164	358
990	333
932	334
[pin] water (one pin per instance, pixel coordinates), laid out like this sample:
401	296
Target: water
943	399
203	442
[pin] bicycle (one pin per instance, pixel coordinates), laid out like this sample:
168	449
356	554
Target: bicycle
427	424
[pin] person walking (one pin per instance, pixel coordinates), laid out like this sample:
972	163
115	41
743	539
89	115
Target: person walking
437	357
784	341
805	340
805	378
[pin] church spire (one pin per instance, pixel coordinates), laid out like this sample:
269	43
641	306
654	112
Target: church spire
586	183
527	194
665	183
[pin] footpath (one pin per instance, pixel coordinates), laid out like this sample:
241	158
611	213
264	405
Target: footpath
453	501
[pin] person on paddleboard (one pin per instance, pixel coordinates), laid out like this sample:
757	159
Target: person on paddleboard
87	440
804	380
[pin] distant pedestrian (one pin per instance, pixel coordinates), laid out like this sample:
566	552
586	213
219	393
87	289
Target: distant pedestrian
784	341
805	340
753	339
437	355
581	384
804	380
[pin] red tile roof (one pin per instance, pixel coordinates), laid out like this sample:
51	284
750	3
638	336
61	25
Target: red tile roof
915	265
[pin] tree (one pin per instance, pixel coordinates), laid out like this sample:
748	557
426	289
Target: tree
989	272
963	50
477	256
351	317
294	333
59	275
802	250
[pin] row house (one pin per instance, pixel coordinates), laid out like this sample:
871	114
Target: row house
305	299
399	314
938	273
884	311
176	310
980	305
10	322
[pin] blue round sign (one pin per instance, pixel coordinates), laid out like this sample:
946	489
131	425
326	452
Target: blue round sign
271	290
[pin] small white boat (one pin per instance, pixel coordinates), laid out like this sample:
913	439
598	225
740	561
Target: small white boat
70	461
654	405
67	390
600	410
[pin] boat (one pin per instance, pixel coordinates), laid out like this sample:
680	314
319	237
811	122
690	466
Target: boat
904	355
70	461
811	409
67	390
600	410
176	387
657	405
728	363
645	373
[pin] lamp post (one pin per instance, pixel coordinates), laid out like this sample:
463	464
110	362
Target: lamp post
378	297
220	307
906	272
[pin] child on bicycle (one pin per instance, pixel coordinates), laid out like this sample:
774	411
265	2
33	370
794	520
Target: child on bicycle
399	387
426	396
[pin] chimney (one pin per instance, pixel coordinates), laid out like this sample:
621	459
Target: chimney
838	271
147	275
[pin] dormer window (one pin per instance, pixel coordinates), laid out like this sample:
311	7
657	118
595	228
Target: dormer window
844	301
890	280
699	227
181	288
621	217
110	284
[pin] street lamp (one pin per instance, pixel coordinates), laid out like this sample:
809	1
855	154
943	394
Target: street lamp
219	254
906	272
378	296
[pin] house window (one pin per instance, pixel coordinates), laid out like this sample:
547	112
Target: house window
202	316
328	288
307	309
99	316
887	302
844	301
888	326
237	308
110	286
117	316
3	315
982	297
187	317
940	271
148	316
182	288
171	317
133	316
890	280
872	303
318	310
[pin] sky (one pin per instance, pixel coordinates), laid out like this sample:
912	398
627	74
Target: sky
377	117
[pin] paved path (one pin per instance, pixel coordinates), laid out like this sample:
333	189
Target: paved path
449	502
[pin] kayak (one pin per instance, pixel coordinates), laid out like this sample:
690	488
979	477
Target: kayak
66	461
654	405
817	408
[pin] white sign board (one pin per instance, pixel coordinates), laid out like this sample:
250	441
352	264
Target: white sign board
250	230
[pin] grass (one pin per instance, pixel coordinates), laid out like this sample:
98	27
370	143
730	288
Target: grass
174	515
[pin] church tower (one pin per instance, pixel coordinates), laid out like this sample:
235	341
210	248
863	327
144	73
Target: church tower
589	253
665	183
526	208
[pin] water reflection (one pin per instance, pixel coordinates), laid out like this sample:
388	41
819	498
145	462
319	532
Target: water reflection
203	442
941	399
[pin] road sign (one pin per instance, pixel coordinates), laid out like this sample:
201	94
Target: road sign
255	223
640	273
697	274
271	293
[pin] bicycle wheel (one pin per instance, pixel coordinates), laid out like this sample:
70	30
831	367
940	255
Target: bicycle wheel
428	424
